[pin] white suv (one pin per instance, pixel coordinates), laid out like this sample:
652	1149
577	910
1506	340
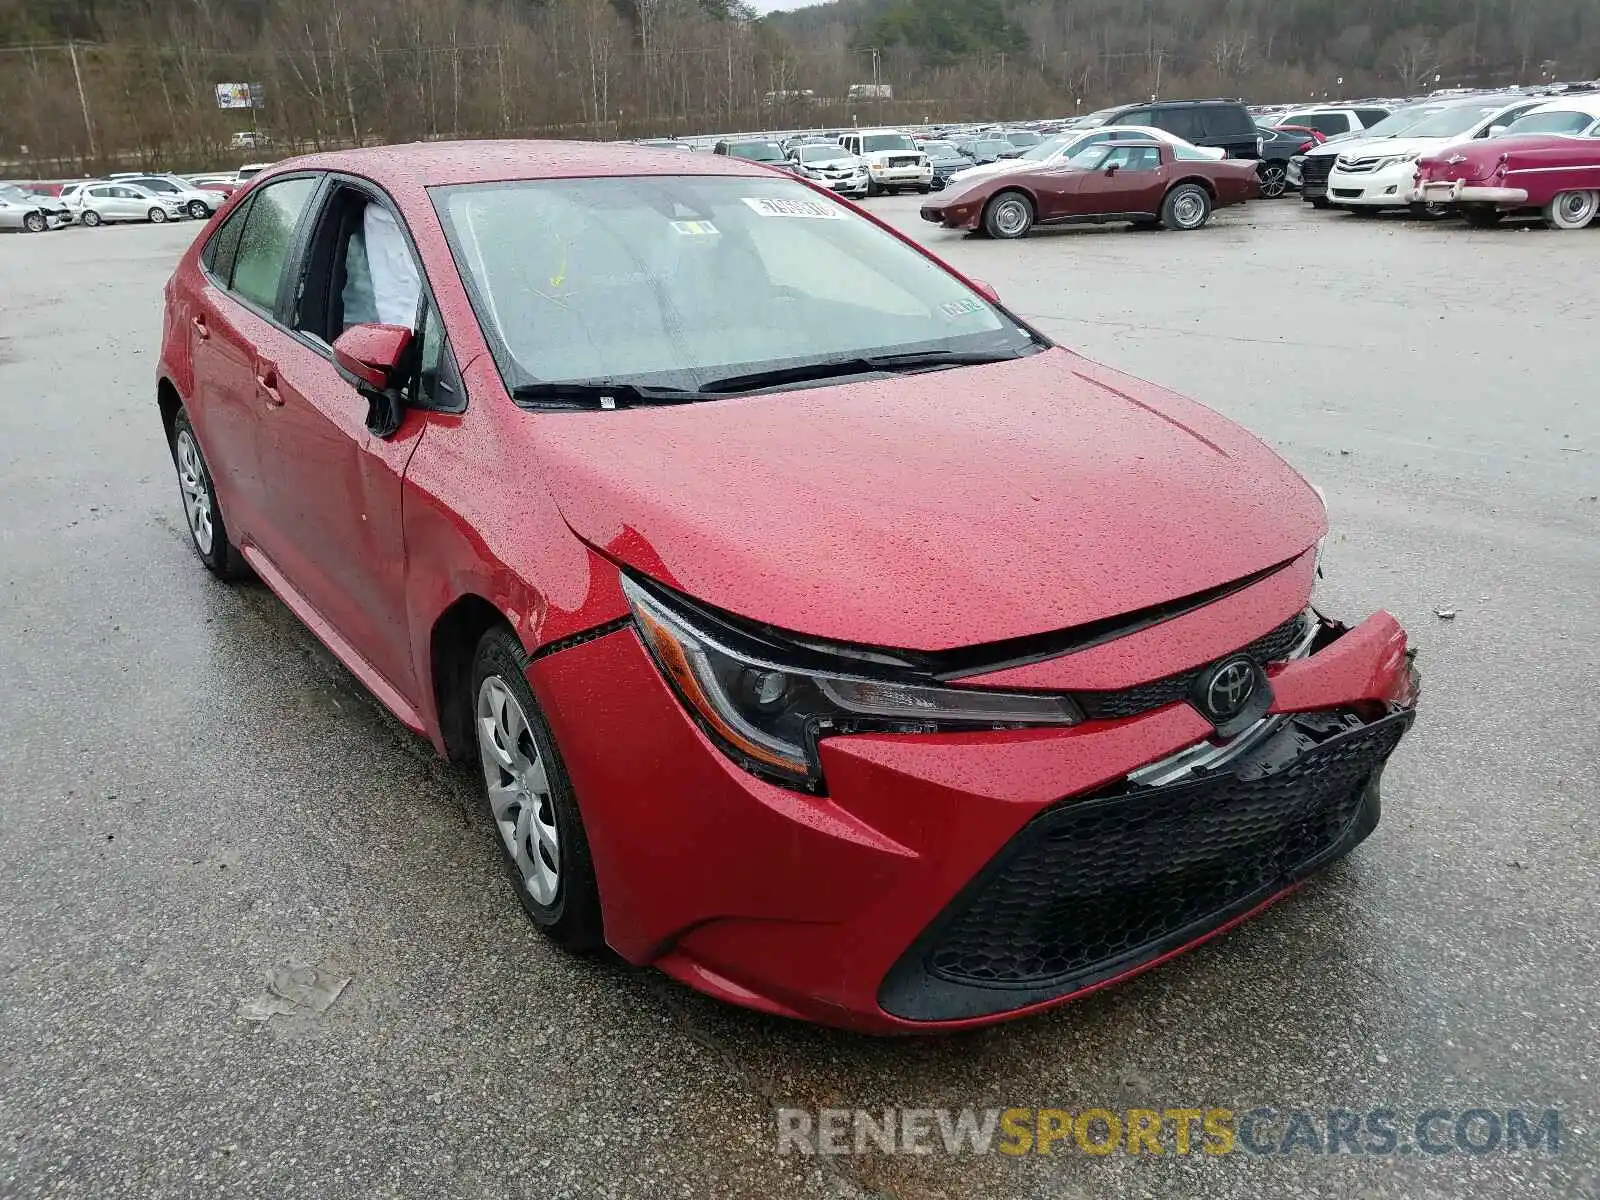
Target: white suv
893	161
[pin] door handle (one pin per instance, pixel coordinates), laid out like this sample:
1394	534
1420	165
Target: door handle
267	381
202	331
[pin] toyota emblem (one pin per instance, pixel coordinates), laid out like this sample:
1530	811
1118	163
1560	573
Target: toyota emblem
1229	689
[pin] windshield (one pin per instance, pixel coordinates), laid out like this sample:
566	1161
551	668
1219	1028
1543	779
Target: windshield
940	150
1449	122
757	151
886	141
1551	122
1022	138
1399	121
1045	148
677	280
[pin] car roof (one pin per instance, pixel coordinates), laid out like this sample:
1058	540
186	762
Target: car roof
433	164
1178	104
1584	102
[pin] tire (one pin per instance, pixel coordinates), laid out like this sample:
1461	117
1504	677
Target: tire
208	533
529	801
938	185
1482	218
873	189
90	218
924	189
1320	203
35	222
1571	210
158	216
1187	207
1009	215
1274	179
198	210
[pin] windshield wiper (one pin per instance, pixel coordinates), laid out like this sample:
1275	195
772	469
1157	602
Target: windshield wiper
837	368
583	393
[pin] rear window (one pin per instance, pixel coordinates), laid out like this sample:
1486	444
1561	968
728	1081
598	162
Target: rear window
1183	122
757	151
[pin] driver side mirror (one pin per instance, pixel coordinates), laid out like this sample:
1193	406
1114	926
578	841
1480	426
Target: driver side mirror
374	359
1113	168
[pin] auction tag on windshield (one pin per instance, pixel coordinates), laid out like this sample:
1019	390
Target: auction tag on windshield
961	308
695	228
767	207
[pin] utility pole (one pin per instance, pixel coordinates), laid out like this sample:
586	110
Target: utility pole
83	98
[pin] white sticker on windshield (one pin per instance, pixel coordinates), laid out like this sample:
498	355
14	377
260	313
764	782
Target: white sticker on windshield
695	228
961	308
767	207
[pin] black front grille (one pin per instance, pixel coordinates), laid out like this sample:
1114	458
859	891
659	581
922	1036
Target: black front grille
1141	698
1091	888
1314	172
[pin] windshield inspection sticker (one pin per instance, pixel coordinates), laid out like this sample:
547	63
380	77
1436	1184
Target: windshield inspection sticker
767	207
695	228
960	308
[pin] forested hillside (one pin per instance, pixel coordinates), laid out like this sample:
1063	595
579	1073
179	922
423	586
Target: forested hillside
337	71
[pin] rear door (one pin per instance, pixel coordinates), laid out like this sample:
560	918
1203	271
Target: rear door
243	266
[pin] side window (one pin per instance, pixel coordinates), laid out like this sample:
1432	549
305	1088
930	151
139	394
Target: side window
1184	122
267	238
1327	123
1370	116
1225	121
224	244
1143	158
1139	116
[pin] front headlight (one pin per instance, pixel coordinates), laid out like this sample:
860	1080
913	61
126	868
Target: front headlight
768	703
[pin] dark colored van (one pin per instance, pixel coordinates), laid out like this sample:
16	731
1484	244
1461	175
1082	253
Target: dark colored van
1223	123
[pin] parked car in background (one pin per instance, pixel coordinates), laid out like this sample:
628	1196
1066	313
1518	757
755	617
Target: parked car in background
226	184
249	171
665	144
1278	146
760	150
1331	122
249	139
781	691
945	160
1369	177
1022	139
103	203
894	164
1223	124
1146	183
1054	151
1554	175
199	202
33	211
832	166
986	150
1309	171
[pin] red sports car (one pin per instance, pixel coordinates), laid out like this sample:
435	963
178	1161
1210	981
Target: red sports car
1148	183
1554	175
825	636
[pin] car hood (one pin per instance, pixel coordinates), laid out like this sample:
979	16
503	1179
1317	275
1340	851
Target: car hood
981	170
935	510
1397	145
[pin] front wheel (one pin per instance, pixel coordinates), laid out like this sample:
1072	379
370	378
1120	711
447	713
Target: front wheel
542	840
91	218
157	216
924	188
1187	206
35	222
198	210
1274	179
1571	210
207	531
1009	215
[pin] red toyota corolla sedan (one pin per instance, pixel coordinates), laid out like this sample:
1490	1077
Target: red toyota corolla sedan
826	637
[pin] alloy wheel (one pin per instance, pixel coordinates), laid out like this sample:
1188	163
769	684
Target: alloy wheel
1011	216
1274	181
196	489
198	210
158	216
34	223
91	218
519	790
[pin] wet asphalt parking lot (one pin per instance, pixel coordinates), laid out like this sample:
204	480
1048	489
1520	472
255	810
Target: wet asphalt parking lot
194	793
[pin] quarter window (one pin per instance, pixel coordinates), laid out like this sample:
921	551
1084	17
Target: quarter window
266	239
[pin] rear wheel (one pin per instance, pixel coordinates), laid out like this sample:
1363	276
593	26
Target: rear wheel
1571	210
157	216
1483	218
91	218
1186	207
207	531
35	222
1274	179
542	841
1009	215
